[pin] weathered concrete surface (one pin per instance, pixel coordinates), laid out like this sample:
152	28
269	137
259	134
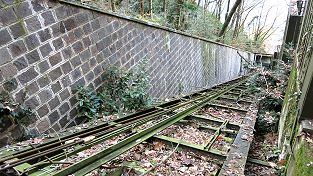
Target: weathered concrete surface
238	153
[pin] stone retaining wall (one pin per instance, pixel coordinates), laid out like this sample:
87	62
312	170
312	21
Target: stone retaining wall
48	48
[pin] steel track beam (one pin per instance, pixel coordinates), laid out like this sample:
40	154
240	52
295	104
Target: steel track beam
87	165
208	127
214	120
212	152
227	107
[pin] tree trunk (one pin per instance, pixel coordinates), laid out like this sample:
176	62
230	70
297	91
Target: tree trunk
219	9
142	7
150	8
165	8
205	6
112	5
227	11
178	14
226	23
238	19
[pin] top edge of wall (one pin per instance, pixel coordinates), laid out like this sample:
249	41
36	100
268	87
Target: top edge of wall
136	20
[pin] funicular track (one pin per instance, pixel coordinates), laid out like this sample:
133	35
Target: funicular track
211	110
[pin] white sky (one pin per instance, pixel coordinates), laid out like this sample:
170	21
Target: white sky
277	8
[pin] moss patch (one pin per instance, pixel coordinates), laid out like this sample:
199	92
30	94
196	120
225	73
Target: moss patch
205	58
303	158
289	111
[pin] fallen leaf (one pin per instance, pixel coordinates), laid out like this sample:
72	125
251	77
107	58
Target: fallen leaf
147	164
244	137
219	138
282	162
188	162
158	145
136	156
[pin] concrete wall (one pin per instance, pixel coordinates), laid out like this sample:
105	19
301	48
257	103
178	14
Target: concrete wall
48	48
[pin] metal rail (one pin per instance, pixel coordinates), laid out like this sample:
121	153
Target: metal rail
87	165
103	129
54	148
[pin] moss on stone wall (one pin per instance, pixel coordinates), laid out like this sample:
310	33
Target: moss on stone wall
289	112
288	129
304	159
205	62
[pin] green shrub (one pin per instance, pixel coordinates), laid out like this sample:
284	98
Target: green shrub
22	114
125	91
122	91
89	103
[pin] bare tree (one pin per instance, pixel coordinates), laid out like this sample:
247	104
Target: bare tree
142	7
264	31
237	19
247	10
227	10
150	8
207	4
219	9
112	5
241	15
227	21
179	14
165	8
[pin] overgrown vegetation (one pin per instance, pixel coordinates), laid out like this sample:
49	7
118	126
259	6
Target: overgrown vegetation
89	103
304	158
122	91
20	113
200	18
125	91
15	117
270	86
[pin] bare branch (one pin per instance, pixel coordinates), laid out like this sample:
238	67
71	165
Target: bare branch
231	14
